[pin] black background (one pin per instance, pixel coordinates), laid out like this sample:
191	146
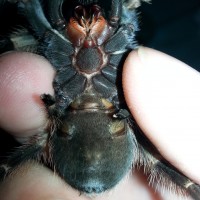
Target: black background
172	26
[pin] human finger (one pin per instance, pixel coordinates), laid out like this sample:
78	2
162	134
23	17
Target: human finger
163	95
23	78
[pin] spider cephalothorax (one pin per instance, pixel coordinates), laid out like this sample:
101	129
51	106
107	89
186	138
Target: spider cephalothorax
89	141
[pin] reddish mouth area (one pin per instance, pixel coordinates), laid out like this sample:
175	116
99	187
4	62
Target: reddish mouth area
88	26
87	15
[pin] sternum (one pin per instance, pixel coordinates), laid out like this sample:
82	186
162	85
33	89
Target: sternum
89	61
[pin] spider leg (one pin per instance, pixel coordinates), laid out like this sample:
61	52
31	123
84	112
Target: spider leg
194	190
121	41
64	94
115	12
52	44
105	83
184	182
33	12
54	10
163	174
57	50
20	156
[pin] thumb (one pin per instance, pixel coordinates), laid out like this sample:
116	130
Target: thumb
23	78
163	95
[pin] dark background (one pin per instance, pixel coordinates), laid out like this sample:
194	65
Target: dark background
171	26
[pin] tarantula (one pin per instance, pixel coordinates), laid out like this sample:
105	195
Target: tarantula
89	141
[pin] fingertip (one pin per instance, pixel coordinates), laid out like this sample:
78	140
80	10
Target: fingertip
34	182
23	78
163	95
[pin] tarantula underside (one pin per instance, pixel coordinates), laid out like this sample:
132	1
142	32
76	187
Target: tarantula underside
93	146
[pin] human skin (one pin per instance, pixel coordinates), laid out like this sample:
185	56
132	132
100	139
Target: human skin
162	93
164	99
